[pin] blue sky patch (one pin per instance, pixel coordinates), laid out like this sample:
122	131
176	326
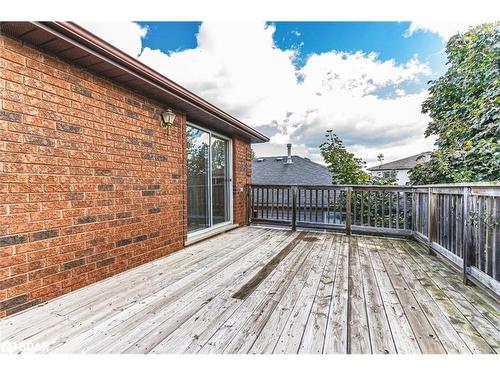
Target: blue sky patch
387	39
170	36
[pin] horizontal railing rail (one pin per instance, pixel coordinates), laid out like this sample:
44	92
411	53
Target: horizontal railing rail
459	221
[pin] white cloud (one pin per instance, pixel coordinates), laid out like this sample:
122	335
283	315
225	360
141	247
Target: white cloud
126	36
235	66
357	73
444	29
238	67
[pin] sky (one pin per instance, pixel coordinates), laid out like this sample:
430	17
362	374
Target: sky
293	81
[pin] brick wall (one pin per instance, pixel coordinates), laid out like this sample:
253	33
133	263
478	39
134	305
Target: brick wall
242	173
90	184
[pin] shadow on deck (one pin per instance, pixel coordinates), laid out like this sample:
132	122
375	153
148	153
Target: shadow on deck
260	290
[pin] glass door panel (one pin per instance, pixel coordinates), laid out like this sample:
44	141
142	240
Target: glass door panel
220	179
198	202
208	181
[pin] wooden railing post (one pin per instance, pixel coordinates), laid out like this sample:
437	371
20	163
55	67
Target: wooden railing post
294	207
348	211
431	219
414	212
466	239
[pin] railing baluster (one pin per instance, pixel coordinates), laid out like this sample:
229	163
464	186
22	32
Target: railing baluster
405	197
306	205
299	205
397	210
328	207
362	197
383	209
252	202
271	203
294	207
275	203
348	218
467	231
335	207
258	197
288	203
353	198
316	206
310	205
450	221
279	204
282	204
369	193
322	206
267	203
431	219
390	209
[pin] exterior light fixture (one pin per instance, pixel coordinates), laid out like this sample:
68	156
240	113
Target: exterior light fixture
167	118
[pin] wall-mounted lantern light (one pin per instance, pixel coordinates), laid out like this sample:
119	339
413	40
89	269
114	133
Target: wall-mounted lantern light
167	118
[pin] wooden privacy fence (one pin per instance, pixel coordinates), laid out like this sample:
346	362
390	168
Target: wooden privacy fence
461	222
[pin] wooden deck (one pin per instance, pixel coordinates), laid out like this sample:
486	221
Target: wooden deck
258	290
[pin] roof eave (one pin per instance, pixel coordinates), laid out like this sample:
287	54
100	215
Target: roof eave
373	169
83	39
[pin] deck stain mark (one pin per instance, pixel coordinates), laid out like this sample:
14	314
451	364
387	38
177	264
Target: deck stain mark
310	239
251	285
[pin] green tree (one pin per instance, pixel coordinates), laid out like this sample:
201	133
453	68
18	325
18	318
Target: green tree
464	106
345	167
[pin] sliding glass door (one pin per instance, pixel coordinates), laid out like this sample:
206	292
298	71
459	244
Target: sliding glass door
220	179
208	179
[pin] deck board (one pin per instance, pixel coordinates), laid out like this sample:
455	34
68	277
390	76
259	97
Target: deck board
329	293
381	338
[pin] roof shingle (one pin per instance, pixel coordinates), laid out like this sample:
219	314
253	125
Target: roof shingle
405	163
302	171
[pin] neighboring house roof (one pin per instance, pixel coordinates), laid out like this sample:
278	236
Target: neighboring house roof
274	170
402	164
78	46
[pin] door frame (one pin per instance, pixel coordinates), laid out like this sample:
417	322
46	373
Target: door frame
210	192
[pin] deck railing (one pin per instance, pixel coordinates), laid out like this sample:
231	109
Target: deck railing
460	222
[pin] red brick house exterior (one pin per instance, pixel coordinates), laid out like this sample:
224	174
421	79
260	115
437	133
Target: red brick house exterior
90	183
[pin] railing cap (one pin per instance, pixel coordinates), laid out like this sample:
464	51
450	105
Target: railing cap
461	184
490	184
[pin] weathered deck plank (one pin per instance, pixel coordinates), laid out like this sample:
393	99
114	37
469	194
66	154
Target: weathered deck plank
315	331
450	339
236	322
404	338
245	339
471	307
293	330
359	333
424	333
101	300
337	331
461	325
381	338
328	293
186	280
